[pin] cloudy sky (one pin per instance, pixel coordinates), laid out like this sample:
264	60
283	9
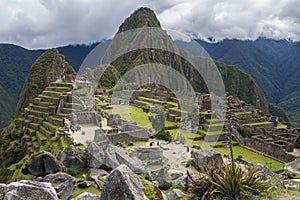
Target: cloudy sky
51	23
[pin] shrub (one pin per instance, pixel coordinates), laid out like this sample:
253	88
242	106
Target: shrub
164	135
146	109
244	131
230	182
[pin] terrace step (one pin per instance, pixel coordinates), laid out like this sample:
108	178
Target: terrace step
58	89
50	99
73	105
34	126
56	121
39	108
35	119
39	114
61	84
52	93
46	132
50	127
41	138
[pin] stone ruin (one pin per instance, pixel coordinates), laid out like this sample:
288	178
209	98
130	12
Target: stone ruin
125	131
277	142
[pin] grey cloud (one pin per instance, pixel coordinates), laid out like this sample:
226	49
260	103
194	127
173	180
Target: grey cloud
51	23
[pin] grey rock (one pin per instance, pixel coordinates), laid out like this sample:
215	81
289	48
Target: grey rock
293	166
42	164
123	184
163	178
70	160
107	155
147	153
175	174
63	183
87	196
83	184
3	189
93	173
174	194
30	190
207	158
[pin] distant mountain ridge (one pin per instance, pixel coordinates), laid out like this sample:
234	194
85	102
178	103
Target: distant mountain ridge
274	64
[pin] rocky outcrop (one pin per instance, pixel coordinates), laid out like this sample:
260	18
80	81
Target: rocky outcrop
108	156
207	158
163	178
42	164
30	190
293	166
174	194
87	196
63	183
70	160
123	184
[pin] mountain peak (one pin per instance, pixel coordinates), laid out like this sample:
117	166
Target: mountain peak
142	17
49	67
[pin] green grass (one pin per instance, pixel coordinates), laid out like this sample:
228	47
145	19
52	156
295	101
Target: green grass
131	113
169	123
139	143
242	113
258	123
151	100
211	132
90	189
64	141
252	156
148	188
280	125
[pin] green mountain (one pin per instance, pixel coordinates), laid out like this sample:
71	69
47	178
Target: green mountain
272	63
49	67
236	82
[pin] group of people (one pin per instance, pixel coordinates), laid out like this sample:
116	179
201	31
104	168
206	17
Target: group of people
152	143
74	128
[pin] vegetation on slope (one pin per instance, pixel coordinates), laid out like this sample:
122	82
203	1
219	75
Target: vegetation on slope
49	67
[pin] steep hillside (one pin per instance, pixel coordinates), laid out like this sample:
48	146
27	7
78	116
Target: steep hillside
15	63
266	61
48	68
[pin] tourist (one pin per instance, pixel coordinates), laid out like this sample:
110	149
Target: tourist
72	129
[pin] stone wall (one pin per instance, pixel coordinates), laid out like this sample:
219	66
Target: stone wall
86	118
130	133
151	153
270	148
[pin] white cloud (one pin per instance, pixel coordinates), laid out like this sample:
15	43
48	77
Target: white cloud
51	23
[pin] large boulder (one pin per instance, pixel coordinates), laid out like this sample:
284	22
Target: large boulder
70	160
162	177
63	183
108	156
42	164
207	158
123	184
174	194
87	196
30	190
293	166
